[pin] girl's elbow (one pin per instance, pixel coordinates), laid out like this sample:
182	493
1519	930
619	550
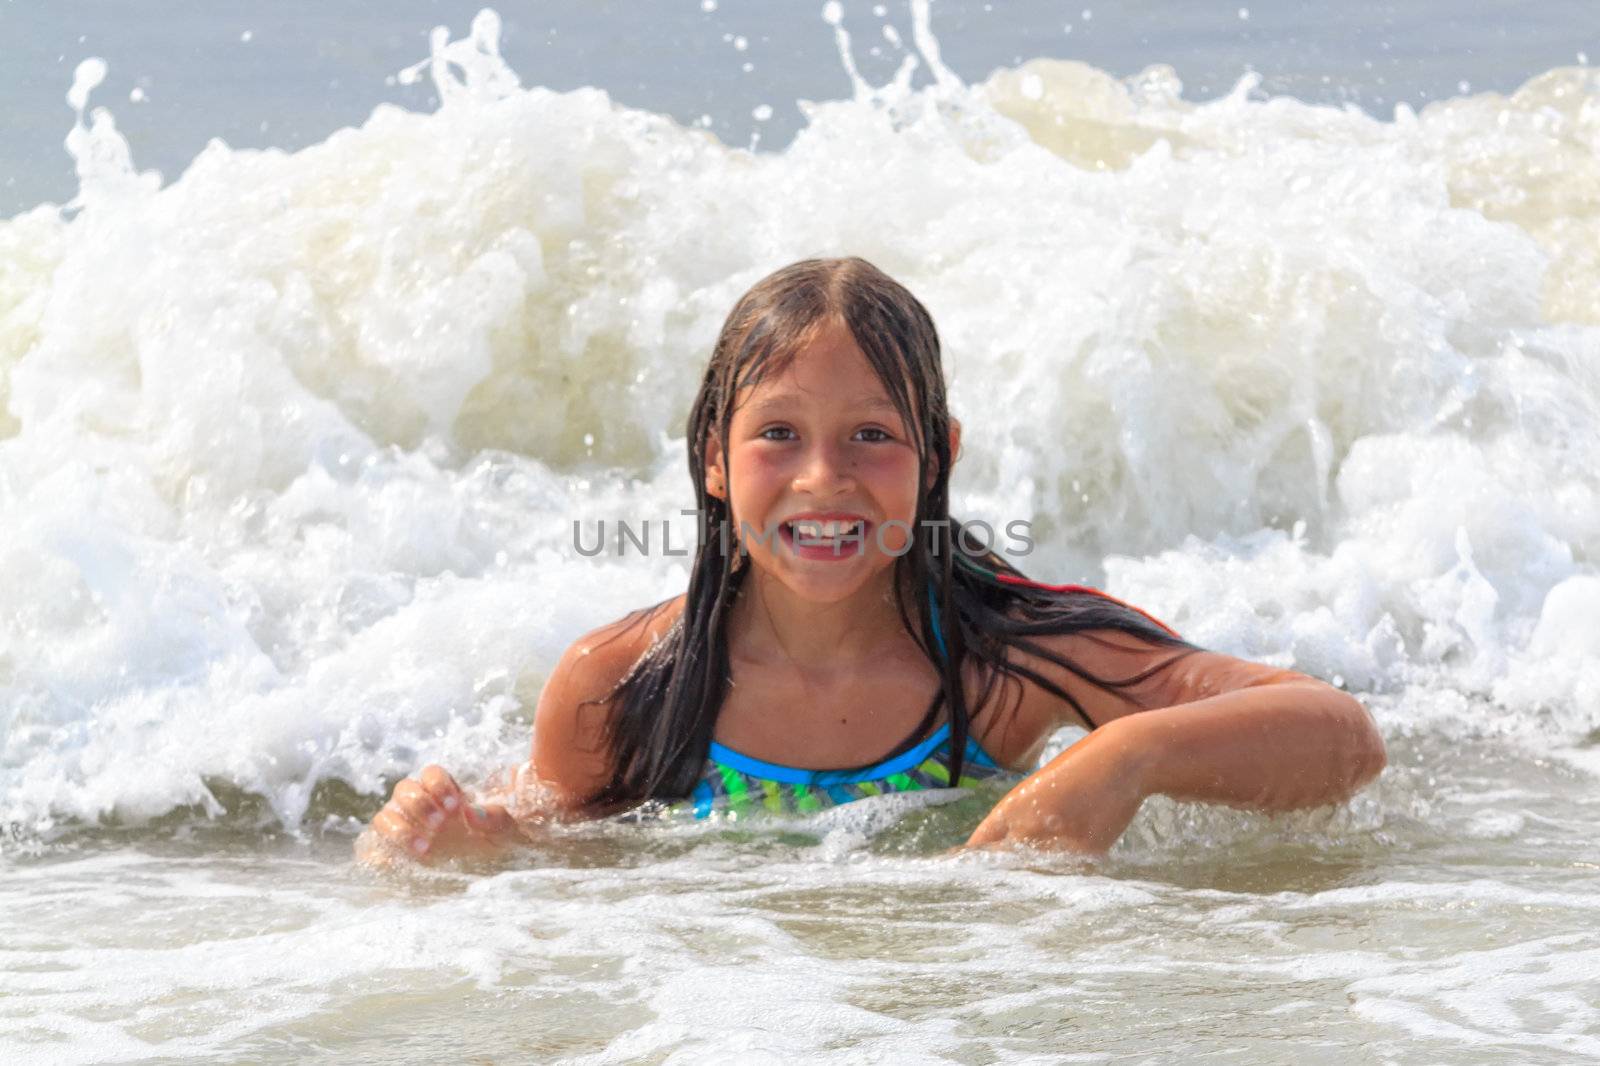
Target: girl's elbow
1368	755
1374	757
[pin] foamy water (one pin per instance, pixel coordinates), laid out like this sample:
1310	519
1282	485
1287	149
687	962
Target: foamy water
292	447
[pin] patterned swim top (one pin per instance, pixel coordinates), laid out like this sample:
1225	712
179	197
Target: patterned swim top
736	782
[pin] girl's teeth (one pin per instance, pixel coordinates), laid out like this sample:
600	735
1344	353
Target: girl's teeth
812	530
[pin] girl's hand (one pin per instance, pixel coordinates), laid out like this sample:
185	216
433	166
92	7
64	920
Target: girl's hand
429	817
1081	800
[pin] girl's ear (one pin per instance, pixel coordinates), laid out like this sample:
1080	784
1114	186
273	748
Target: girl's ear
716	469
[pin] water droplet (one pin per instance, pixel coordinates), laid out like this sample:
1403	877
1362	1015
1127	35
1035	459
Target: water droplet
85	79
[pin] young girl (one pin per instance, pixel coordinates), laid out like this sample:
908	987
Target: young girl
842	636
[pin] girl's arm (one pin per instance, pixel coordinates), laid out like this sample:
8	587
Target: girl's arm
431	818
1215	729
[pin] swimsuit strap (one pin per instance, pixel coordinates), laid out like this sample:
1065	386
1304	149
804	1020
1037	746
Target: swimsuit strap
933	613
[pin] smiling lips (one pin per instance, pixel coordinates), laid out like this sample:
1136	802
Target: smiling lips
824	534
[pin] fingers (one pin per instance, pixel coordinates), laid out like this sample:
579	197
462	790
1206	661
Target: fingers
394	826
418	810
418	805
430	799
431	812
995	834
442	788
489	818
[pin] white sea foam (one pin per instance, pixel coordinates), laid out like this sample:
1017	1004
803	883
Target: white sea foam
291	447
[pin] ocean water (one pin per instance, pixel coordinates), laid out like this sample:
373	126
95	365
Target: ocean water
292	443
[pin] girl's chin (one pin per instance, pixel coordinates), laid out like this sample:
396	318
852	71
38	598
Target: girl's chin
822	592
830	578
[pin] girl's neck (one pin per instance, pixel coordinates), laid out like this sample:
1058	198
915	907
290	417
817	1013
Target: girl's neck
770	623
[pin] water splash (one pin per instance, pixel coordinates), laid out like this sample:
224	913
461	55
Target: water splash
468	70
100	155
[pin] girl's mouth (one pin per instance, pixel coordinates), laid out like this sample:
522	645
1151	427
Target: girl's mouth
812	538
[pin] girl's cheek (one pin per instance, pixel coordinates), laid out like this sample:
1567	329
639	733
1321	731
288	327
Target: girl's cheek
761	479
752	460
763	465
893	539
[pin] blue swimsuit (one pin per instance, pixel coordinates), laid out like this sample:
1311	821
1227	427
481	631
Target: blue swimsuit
737	782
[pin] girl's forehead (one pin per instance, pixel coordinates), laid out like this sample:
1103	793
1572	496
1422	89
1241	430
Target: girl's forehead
827	365
808	379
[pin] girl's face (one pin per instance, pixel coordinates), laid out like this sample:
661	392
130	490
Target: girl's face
818	463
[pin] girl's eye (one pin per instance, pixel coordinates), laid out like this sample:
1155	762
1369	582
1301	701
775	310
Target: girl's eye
784	433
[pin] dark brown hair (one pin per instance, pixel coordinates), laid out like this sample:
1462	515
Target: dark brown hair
666	709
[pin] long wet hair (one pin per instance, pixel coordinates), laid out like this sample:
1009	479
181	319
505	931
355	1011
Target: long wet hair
665	710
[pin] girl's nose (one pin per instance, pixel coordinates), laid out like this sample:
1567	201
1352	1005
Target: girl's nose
824	472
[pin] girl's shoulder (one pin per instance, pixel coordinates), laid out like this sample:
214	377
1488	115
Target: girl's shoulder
1112	673
1106	672
621	643
571	726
